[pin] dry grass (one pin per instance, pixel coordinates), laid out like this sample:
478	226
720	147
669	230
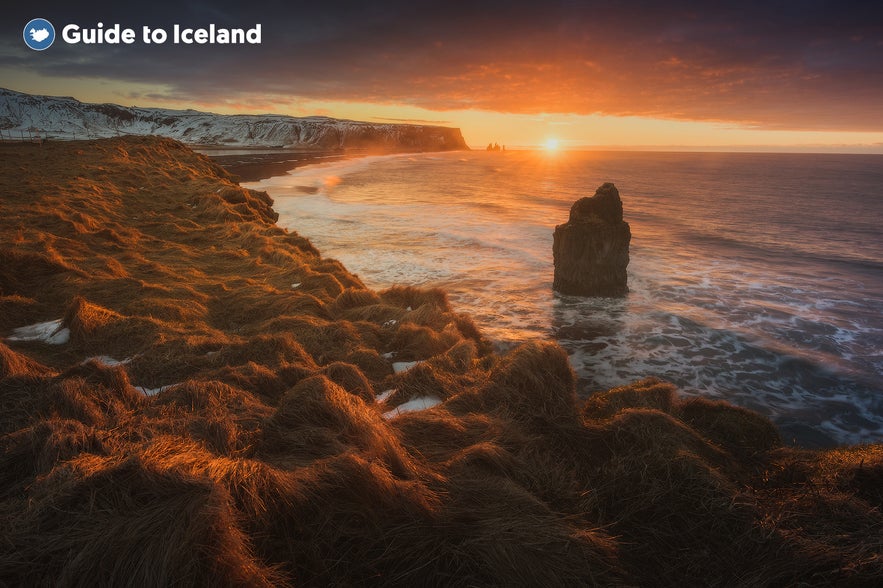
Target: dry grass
265	459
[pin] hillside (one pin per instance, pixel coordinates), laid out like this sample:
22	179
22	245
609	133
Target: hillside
194	396
67	118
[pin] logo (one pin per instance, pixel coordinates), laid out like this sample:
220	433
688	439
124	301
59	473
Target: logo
39	34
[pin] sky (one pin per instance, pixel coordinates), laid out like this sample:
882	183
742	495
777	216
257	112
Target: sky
683	74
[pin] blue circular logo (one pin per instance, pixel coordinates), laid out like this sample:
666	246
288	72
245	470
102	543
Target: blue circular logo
39	34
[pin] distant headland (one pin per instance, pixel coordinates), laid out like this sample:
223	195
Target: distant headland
27	116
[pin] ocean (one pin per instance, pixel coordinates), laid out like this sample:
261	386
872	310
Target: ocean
754	278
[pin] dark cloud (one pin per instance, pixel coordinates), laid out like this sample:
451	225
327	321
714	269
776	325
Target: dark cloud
774	64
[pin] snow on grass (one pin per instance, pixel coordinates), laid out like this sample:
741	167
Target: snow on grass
383	396
403	366
152	391
50	332
107	360
415	404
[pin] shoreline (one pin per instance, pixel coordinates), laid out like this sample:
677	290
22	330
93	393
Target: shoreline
357	253
227	405
261	164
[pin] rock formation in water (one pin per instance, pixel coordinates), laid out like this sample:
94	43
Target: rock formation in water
591	250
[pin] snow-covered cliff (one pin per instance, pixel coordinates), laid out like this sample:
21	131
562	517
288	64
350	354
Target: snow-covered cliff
53	117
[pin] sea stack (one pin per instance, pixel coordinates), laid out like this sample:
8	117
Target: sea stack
591	250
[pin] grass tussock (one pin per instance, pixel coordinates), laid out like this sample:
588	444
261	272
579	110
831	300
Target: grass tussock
131	523
96	330
15	310
262	457
317	419
14	364
534	383
443	376
350	378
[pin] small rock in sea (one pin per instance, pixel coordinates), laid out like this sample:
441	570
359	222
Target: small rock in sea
591	250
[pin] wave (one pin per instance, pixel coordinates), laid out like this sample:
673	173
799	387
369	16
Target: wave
779	380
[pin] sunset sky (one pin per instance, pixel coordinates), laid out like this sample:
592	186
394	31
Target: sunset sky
794	75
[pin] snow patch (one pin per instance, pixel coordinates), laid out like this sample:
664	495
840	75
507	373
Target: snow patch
51	332
403	366
153	391
107	360
383	396
413	405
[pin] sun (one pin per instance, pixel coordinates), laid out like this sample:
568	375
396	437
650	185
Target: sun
551	144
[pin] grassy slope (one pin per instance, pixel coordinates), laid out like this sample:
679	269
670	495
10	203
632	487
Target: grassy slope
265	460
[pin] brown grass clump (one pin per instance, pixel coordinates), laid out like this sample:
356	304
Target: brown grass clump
442	376
326	265
249	307
36	450
350	378
413	342
437	436
75	396
318	418
736	430
264	382
494	524
17	311
129	523
369	361
664	490
225	419
270	350
355	298
421	380
410	297
381	314
739	431
534	382
95	330
326	341
349	520
210	396
24	271
14	364
648	393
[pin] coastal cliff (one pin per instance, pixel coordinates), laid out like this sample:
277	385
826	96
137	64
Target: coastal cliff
25	115
193	395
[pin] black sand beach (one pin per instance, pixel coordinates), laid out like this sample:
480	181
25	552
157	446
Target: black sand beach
258	164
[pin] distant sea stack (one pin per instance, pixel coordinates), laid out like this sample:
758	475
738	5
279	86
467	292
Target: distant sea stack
591	250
